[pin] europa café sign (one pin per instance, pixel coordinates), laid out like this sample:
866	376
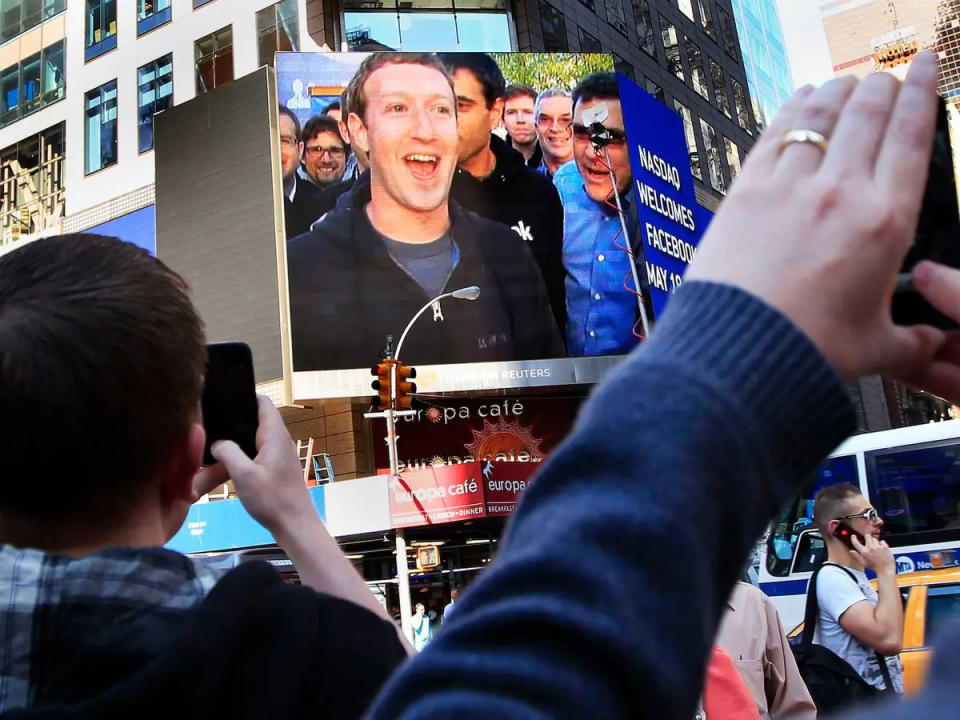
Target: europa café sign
450	493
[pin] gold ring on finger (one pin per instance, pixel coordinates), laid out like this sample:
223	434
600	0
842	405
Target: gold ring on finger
804	136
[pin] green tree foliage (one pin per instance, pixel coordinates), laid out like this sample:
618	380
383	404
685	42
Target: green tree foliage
546	70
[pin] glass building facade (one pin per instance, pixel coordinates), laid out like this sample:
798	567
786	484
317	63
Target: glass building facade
764	56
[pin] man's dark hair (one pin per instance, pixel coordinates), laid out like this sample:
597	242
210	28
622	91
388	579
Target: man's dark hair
284	110
320	124
483	67
831	502
596	86
334	105
102	360
356	99
517	90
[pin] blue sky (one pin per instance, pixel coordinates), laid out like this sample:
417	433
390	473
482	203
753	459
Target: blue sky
805	41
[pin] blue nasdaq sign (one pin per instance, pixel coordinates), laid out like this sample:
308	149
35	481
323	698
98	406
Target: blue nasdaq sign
670	221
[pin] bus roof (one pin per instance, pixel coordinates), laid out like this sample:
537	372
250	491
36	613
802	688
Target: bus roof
912	435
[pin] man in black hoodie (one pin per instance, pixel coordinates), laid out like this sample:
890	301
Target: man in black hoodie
398	241
492	178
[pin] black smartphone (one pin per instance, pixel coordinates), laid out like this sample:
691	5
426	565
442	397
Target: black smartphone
229	401
843	532
938	234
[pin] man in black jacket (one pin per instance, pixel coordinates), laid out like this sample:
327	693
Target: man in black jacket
366	269
301	199
492	178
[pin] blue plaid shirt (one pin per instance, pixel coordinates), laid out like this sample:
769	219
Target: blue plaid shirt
600	313
116	598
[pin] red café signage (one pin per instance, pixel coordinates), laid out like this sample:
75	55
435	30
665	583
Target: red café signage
449	493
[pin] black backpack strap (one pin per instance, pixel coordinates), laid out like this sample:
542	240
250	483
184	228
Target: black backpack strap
884	670
811	613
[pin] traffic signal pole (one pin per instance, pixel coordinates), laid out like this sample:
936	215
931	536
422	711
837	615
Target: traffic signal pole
394	404
390	414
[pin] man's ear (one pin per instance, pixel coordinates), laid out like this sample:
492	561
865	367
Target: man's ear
496	113
358	131
184	462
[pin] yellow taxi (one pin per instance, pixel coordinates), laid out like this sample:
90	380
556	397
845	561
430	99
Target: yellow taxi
931	600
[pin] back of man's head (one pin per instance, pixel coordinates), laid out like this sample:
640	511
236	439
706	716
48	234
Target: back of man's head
101	367
484	69
832	502
596	86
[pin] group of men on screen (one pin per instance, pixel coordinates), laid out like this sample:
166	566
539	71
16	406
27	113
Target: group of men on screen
461	180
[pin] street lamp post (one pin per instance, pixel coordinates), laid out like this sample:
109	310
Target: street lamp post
390	415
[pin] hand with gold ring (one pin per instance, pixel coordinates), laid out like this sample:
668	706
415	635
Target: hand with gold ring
818	228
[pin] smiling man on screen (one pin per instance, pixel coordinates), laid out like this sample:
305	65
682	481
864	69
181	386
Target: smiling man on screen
371	264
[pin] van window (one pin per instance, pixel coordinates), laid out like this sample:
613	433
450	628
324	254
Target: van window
797	516
916	490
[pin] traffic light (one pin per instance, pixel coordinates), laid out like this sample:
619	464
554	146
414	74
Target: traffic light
382	384
404	387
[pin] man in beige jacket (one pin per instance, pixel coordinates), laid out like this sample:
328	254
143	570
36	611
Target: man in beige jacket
753	636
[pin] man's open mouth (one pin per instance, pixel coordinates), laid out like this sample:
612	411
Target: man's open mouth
422	165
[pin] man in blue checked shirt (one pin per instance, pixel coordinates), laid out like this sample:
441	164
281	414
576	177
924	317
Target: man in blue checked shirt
600	314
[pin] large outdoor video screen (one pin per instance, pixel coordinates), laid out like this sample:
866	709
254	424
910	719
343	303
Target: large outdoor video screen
410	176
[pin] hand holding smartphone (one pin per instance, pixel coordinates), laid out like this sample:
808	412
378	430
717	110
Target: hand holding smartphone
229	402
938	234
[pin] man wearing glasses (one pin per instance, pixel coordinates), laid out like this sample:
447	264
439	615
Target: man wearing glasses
553	116
300	198
601	314
856	622
324	151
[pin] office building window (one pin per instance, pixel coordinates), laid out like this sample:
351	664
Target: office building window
733	157
18	16
616	16
720	98
31	184
151	14
622	66
589	4
588	43
671	47
654	90
100	132
554	28
154	93
200	3
429	25
641	13
101	28
706	18
712	152
740	103
690	137
34	82
686	7
727	33
213	59
277	30
695	61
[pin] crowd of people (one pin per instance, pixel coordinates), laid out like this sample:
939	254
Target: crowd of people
737	397
519	202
